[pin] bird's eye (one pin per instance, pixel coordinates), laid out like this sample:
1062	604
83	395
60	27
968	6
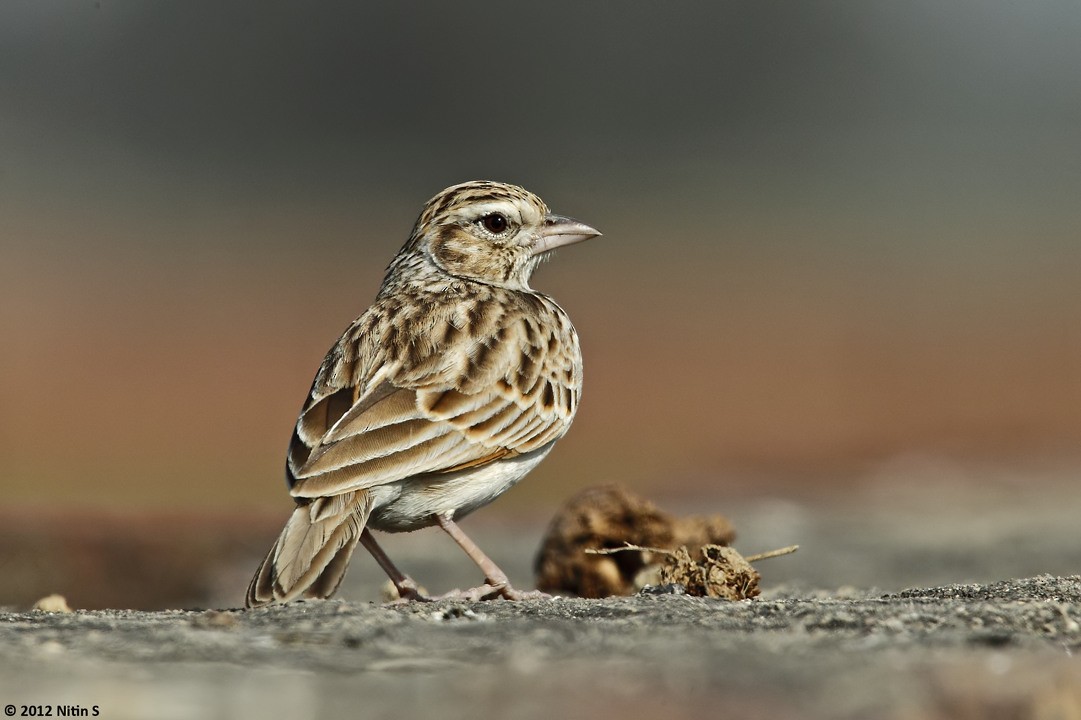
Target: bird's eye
494	223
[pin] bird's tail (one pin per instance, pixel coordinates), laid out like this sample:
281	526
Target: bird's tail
311	555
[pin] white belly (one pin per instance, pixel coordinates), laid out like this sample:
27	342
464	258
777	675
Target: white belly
412	503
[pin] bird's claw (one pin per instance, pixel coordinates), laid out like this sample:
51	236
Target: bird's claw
509	593
488	591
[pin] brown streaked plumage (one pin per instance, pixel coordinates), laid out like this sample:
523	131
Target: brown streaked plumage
451	387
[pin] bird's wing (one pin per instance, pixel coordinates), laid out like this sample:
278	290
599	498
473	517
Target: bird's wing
463	404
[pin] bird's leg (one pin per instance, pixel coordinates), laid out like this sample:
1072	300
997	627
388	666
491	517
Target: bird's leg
405	585
497	579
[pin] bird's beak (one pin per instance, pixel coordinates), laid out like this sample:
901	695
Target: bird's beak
559	231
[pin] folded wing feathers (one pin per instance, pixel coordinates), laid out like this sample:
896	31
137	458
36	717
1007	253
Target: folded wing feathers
385	405
427	456
433	416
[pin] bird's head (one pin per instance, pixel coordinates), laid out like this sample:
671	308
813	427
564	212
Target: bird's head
492	232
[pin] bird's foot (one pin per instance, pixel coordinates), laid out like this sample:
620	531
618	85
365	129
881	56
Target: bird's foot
509	593
493	590
403	592
477	594
487	591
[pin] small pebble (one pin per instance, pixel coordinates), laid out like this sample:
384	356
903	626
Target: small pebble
53	604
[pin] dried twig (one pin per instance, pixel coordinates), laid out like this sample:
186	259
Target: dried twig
626	546
772	553
750	558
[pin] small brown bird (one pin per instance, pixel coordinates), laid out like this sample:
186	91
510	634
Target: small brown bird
452	386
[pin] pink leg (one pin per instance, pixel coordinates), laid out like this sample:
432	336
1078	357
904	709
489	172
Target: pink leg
406	587
497	579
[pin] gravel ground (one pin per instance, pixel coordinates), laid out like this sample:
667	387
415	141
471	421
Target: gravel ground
836	634
981	651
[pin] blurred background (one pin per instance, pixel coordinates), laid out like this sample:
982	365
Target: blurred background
840	262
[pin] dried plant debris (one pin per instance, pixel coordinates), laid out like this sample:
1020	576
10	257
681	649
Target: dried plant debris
608	517
721	573
714	570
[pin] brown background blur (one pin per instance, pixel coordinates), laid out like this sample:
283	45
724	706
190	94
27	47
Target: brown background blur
835	233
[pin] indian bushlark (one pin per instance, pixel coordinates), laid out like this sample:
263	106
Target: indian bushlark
452	386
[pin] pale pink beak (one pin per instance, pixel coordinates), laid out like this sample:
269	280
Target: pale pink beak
559	231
